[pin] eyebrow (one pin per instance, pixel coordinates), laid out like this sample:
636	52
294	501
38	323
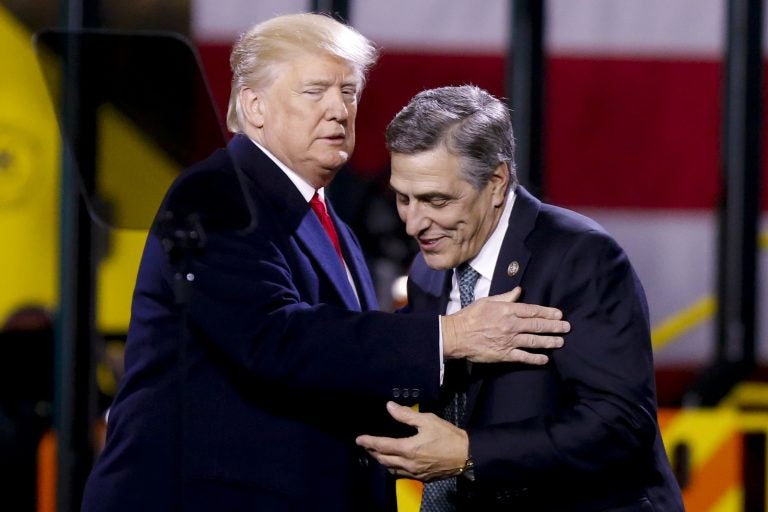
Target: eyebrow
325	82
426	196
317	81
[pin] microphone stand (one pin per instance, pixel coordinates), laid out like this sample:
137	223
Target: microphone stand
181	240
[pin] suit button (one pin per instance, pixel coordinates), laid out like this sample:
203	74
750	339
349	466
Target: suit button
362	461
406	393
415	393
396	392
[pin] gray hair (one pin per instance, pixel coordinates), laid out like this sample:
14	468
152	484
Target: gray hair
470	122
258	52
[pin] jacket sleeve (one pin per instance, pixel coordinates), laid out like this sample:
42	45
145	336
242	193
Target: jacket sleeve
246	308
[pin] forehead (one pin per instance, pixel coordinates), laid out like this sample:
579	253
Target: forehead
318	67
436	169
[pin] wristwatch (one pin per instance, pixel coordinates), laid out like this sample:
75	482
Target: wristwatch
468	471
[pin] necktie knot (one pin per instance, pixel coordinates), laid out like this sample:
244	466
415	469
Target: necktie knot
467	277
318	207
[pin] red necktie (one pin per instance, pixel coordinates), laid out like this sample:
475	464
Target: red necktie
319	208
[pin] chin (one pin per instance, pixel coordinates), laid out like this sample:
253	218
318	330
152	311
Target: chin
329	170
436	262
336	157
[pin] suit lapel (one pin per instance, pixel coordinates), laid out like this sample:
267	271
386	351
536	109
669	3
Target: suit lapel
317	245
514	255
356	262
513	250
293	212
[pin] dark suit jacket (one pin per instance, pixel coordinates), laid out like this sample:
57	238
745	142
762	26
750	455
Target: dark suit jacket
249	394
579	434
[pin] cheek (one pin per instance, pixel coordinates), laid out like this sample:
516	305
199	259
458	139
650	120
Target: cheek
401	211
452	222
351	127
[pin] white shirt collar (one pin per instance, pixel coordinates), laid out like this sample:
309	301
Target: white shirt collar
307	191
485	261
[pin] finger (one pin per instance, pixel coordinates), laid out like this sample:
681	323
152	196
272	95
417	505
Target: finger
404	414
542	325
521	356
400	473
385	445
392	463
530	341
535	311
510	296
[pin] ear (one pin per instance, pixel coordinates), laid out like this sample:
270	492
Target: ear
499	183
252	102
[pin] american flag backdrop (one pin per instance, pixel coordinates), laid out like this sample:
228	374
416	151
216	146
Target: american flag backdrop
631	125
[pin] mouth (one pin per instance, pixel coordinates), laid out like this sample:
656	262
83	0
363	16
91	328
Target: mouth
337	138
429	243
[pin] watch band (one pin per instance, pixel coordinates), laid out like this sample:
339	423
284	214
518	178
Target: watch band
468	470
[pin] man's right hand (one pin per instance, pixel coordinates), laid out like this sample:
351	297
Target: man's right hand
499	329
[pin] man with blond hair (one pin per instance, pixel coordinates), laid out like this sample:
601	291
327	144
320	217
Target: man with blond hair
249	394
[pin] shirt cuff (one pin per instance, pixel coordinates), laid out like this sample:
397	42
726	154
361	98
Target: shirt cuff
442	362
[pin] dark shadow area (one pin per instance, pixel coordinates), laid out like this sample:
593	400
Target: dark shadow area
26	394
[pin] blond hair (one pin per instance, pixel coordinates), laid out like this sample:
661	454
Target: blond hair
258	52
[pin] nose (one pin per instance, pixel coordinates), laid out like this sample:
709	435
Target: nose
415	219
336	108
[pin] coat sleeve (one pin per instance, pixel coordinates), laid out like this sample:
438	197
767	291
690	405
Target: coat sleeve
246	309
608	414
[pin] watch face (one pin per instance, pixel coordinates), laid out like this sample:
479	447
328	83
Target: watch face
469	470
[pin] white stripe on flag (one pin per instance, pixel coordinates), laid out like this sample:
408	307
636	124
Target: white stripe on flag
224	20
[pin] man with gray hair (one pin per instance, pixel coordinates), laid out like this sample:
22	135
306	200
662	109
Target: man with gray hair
246	392
577	434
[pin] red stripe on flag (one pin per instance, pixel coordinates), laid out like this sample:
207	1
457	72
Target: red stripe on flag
633	133
626	133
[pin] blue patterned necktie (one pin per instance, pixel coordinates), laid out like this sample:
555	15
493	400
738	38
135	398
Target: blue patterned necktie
440	495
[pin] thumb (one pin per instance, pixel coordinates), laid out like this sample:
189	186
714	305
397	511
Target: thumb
403	414
510	296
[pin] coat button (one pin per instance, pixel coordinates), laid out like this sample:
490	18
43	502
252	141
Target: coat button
362	461
396	392
415	393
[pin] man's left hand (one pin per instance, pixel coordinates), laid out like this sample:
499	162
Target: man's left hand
437	451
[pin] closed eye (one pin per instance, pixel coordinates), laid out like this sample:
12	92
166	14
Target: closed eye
436	199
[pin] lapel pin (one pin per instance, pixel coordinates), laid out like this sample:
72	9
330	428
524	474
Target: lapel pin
513	268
